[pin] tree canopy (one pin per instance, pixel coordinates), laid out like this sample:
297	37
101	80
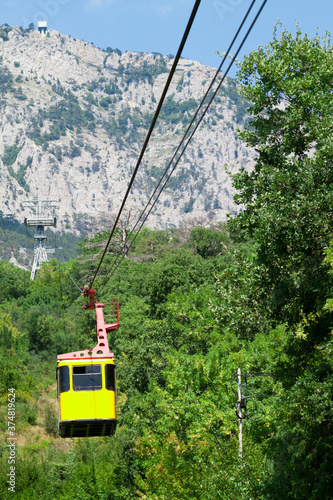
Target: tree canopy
289	194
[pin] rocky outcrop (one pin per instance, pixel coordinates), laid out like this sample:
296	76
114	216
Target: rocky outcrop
73	120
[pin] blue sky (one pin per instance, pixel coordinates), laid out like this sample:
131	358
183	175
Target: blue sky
158	25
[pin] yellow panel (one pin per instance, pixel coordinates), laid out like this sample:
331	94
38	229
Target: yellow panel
76	405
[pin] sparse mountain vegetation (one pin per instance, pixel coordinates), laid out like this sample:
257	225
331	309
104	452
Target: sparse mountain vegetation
5	29
6	79
10	154
145	71
69	116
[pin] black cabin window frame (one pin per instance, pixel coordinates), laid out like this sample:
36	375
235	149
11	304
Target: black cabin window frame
64	380
110	377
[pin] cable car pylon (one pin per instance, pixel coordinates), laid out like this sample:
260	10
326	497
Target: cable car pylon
41	210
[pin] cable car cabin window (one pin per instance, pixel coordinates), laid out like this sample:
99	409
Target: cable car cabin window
87	378
64	379
110	381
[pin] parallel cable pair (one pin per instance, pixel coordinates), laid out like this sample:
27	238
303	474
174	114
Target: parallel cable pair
142	217
63	260
152	125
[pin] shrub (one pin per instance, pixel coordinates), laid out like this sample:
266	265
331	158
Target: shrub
10	154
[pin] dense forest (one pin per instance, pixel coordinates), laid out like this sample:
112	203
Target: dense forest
197	303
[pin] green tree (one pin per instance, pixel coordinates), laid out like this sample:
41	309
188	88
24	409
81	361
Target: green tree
209	242
288	212
289	194
15	282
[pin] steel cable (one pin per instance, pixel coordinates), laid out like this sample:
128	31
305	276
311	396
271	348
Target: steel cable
152	125
113	268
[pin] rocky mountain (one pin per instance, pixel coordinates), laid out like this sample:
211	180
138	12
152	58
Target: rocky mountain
73	120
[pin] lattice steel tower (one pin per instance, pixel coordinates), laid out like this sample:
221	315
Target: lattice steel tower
42	218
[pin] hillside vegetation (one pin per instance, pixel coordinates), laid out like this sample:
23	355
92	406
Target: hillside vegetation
255	293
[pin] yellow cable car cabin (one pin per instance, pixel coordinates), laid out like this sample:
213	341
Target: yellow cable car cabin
87	384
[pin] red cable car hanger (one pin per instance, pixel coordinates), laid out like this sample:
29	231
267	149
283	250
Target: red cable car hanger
101	350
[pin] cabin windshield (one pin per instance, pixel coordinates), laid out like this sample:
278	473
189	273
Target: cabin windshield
87	377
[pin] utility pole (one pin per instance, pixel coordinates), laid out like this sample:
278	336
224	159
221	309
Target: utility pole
42	218
240	410
240	419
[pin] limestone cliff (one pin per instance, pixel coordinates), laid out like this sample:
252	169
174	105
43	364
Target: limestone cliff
73	120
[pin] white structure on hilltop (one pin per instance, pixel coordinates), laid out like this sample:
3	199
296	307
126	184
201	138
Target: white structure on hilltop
42	27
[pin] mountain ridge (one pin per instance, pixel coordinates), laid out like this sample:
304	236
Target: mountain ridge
74	119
